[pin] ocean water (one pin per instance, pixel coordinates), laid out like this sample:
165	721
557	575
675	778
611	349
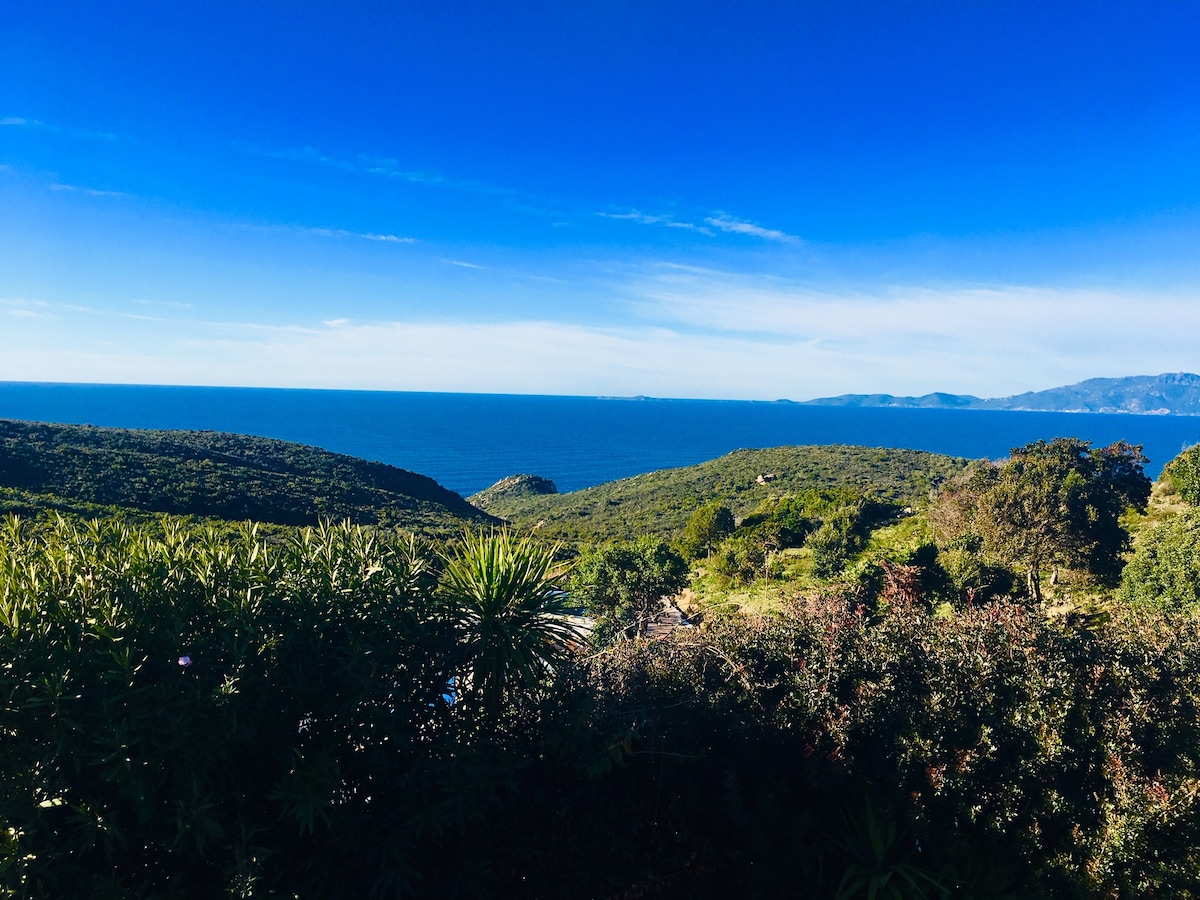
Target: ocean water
469	441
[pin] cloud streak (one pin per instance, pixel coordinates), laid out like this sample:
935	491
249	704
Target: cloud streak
666	221
730	225
83	134
988	339
357	235
379	167
720	221
24	309
391	169
86	191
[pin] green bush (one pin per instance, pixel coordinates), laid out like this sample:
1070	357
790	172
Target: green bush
622	585
793	521
1164	571
843	533
1005	755
741	558
973	579
1184	473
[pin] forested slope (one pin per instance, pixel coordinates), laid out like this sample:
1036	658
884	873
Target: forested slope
86	470
660	502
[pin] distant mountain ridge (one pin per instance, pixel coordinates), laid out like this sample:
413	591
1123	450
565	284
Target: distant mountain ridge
1173	393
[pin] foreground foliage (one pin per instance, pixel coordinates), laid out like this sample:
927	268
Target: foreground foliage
193	716
186	714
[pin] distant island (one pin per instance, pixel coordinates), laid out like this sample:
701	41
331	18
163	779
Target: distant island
1176	394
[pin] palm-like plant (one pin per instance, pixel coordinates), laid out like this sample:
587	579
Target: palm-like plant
879	860
507	595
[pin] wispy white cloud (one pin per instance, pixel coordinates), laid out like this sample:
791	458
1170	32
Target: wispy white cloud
90	192
667	221
635	216
387	238
24	309
720	221
49	180
379	167
392	168
460	263
162	304
361	235
731	225
85	134
989	339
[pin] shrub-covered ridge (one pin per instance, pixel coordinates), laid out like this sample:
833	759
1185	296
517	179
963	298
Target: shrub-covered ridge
212	475
661	502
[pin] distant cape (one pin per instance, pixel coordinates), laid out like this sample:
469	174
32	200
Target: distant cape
1176	394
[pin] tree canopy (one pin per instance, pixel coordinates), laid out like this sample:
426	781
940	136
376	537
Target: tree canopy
1058	503
710	524
623	584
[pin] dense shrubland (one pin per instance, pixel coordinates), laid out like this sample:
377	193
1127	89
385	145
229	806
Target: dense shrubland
348	712
660	503
81	470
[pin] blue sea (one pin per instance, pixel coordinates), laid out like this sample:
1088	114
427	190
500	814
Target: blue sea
469	441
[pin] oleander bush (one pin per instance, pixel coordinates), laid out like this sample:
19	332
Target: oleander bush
195	715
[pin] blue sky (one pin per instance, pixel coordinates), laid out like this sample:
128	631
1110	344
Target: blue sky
676	199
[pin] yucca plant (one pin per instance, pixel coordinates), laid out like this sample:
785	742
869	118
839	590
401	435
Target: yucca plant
878	855
507	596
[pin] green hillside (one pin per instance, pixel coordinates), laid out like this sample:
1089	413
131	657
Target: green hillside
660	502
86	470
